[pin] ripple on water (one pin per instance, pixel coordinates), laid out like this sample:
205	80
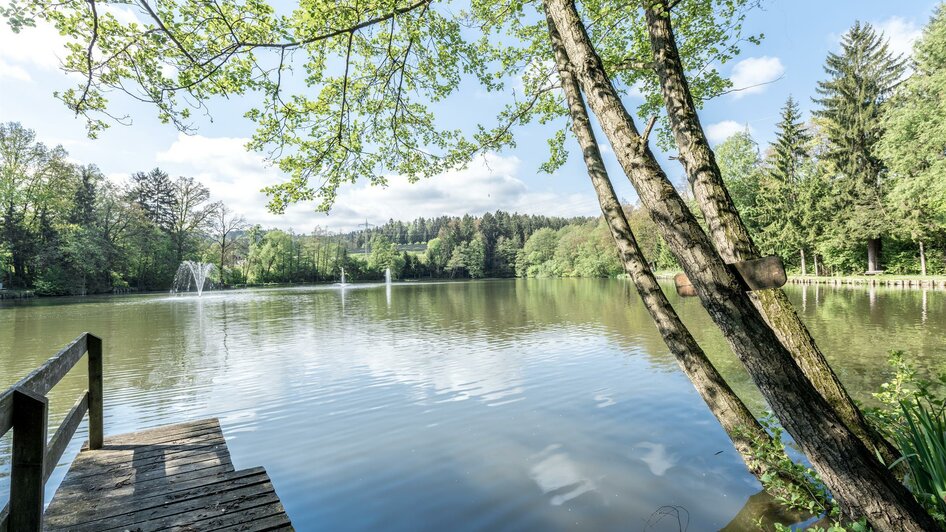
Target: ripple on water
508	404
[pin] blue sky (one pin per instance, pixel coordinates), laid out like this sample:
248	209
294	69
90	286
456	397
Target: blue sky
798	36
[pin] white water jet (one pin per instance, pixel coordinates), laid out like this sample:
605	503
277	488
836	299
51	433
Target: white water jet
343	283
387	276
192	275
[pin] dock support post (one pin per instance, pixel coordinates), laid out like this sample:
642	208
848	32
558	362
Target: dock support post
96	422
27	488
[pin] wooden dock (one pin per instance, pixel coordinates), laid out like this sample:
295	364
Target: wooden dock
176	477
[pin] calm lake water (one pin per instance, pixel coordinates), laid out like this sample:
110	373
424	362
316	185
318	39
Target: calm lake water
513	404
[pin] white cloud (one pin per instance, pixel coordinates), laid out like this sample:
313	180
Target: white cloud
750	75
902	34
39	47
721	131
13	71
236	176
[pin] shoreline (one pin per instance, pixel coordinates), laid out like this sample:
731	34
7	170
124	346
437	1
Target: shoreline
888	281
936	282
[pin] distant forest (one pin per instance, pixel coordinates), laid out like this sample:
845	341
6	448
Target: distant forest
858	187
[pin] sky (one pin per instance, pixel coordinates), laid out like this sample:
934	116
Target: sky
798	34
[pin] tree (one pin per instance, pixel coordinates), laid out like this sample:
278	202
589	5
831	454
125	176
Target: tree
190	211
537	250
733	242
860	79
913	140
858	480
154	193
31	178
736	419
224	225
437	254
384	254
740	167
781	208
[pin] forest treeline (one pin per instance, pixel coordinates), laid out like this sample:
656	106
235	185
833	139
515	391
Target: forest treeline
67	229
858	186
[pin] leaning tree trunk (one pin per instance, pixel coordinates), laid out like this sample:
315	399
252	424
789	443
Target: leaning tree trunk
730	236
861	484
922	260
874	250
743	428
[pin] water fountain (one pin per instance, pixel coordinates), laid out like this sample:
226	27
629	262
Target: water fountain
192	275
343	283
387	276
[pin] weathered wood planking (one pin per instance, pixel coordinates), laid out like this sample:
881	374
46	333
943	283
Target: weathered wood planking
177	477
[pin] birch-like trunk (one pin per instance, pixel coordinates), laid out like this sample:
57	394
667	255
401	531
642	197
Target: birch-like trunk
730	236
737	420
804	270
862	485
922	260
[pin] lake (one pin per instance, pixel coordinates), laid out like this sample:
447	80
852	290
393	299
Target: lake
506	404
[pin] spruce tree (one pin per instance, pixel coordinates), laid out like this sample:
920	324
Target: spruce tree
914	141
783	185
860	79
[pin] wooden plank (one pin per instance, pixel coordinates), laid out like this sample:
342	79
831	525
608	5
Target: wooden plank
57	445
64	506
43	378
114	506
761	274
757	274
188	511
116	453
266	517
84	466
151	473
74	495
173	477
164	433
29	452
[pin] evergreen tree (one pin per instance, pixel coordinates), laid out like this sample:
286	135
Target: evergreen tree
779	205
154	193
860	79
913	144
83	201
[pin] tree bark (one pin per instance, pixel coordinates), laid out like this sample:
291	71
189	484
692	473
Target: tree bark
815	257
804	271
922	260
730	236
862	485
874	250
737	420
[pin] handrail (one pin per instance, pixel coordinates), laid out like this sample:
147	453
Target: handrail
24	409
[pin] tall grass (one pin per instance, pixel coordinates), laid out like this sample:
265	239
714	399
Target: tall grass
922	442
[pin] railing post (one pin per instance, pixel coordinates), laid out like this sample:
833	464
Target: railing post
29	451
96	431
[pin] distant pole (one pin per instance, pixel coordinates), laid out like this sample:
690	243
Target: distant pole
367	243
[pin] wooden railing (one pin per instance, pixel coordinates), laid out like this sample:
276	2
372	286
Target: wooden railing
24	409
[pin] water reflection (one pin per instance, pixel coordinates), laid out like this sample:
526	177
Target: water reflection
540	404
